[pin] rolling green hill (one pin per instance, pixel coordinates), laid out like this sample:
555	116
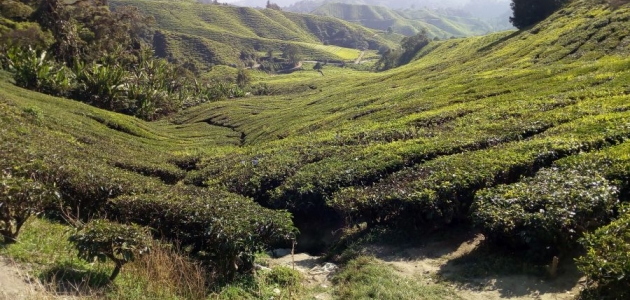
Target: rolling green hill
218	34
439	24
464	134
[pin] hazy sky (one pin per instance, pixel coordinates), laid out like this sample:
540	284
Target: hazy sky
293	1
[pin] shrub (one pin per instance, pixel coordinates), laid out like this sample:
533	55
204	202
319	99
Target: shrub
34	70
101	240
20	198
223	229
545	214
285	277
100	85
24	35
607	258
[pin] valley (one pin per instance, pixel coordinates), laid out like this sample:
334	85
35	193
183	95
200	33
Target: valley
492	166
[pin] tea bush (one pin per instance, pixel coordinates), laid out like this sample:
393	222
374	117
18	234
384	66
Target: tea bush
102	240
545	215
607	258
223	229
21	198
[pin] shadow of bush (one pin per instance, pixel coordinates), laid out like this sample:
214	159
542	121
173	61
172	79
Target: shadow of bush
70	279
491	266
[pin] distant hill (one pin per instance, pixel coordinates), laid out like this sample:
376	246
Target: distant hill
458	17
207	34
398	4
442	23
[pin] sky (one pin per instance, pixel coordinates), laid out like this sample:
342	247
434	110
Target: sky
289	2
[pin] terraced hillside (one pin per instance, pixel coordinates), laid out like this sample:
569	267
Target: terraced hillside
524	134
417	142
441	24
219	34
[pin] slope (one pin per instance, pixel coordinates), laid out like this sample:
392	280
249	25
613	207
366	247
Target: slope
219	34
439	24
468	113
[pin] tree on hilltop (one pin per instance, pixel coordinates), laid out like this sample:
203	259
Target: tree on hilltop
273	6
530	12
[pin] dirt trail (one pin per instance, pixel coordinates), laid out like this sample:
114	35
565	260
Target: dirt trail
358	60
455	257
453	260
13	284
308	266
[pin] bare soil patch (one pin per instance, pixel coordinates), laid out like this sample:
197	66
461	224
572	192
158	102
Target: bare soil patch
14	284
460	261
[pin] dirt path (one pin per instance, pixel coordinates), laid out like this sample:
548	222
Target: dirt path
457	260
358	60
309	266
13	283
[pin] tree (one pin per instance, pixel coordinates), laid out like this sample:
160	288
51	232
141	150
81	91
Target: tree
292	53
390	30
101	240
243	78
410	47
20	198
530	12
273	6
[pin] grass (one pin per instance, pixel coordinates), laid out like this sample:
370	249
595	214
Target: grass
365	278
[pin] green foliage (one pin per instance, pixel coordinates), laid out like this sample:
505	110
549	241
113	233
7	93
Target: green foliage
34	70
410	46
262	89
15	10
285	277
155	88
20	198
243	78
365	278
607	258
100	85
224	229
292	53
101	240
530	12
24	35
264	284
547	214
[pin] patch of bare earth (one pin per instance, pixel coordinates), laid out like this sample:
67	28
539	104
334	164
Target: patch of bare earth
14	284
316	277
453	260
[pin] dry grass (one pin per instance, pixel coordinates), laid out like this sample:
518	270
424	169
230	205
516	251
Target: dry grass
167	272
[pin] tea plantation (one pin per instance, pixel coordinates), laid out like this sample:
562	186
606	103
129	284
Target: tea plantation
523	135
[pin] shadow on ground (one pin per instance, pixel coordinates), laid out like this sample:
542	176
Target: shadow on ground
486	268
68	279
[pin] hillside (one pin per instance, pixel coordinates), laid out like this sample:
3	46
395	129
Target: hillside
439	24
308	5
523	135
219	34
